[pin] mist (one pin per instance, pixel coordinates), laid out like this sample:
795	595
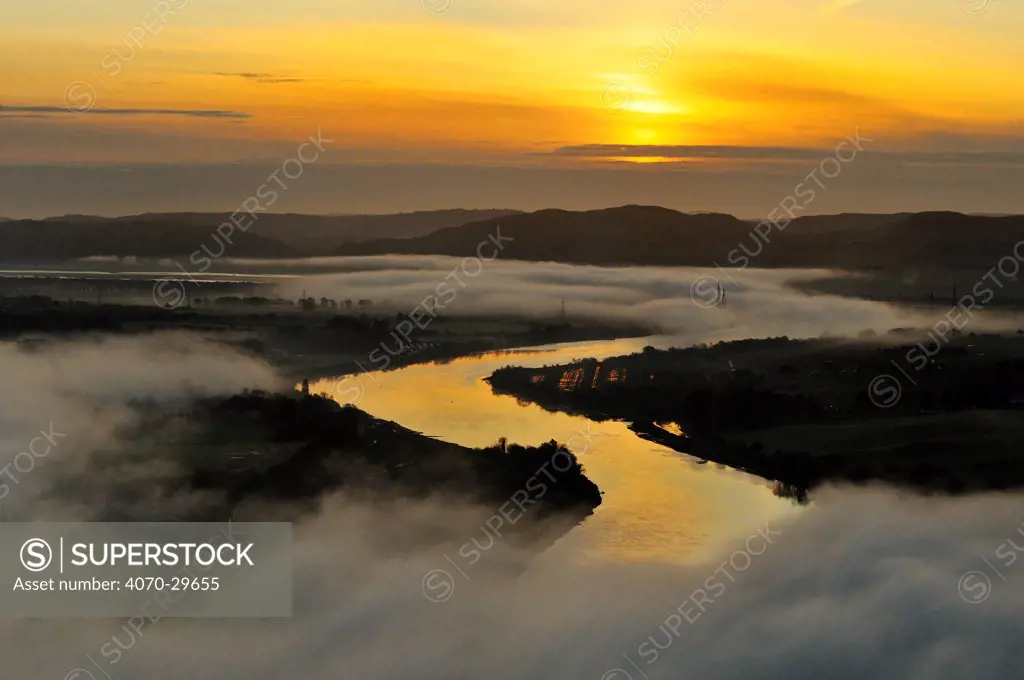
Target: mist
64	403
671	300
865	583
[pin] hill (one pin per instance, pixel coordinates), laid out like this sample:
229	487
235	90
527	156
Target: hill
627	235
633	235
69	239
156	235
317	234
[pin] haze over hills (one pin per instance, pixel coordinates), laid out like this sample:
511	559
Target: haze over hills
627	235
317	233
645	235
62	240
156	235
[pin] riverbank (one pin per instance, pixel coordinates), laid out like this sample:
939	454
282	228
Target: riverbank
281	455
307	341
339	365
657	505
932	290
803	413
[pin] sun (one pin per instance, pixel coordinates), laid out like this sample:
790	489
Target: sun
625	93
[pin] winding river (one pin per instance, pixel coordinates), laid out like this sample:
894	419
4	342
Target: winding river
659	505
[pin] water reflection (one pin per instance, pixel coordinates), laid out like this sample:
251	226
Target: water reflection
659	505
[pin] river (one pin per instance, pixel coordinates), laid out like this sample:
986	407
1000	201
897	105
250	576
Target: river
659	505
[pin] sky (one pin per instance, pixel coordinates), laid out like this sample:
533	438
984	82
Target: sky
706	105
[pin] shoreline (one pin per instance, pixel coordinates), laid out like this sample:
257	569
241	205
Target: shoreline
806	412
351	366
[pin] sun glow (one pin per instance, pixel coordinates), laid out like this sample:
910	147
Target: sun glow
770	75
657	107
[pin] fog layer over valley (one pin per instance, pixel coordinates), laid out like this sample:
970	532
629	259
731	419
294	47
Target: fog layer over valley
761	302
816	598
678	300
78	393
451	340
864	583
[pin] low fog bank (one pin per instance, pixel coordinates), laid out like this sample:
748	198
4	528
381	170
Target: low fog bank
673	300
677	300
863	585
64	403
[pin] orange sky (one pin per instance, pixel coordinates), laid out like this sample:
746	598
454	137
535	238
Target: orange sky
393	81
730	95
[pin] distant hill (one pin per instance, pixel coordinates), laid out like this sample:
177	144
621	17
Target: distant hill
632	235
174	234
627	235
319	233
60	240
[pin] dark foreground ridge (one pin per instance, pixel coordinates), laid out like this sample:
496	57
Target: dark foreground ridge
805	412
292	450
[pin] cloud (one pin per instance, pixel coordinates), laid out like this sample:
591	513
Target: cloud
195	113
762	302
782	153
865	583
23	116
81	388
690	151
266	78
87	181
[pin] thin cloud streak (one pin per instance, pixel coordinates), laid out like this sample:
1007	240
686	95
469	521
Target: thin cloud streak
265	78
780	153
194	113
23	116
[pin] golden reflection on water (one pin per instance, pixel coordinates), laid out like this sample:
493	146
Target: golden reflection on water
659	505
